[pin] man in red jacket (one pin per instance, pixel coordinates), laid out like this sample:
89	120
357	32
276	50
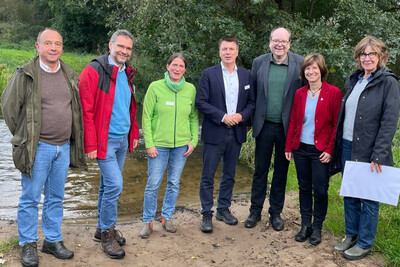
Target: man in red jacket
109	116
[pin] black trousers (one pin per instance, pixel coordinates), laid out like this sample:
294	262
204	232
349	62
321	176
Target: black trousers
271	136
312	176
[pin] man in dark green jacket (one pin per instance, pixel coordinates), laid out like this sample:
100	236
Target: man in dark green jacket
41	107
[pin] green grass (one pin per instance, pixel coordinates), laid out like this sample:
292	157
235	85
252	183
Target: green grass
8	245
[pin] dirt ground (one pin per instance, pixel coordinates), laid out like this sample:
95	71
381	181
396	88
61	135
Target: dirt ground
225	246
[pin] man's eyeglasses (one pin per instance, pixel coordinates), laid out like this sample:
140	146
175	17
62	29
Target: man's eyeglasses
122	47
283	42
370	54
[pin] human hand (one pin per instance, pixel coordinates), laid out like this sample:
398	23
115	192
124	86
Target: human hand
135	143
232	120
325	157
377	166
152	152
189	151
237	117
289	156
229	120
92	154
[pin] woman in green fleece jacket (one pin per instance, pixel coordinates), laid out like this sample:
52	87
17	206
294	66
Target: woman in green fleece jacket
170	128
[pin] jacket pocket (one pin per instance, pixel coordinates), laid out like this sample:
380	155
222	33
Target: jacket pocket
20	154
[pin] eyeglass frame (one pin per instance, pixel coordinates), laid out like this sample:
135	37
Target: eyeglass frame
277	42
371	55
122	47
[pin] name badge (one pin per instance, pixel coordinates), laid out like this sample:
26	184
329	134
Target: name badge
169	103
247	87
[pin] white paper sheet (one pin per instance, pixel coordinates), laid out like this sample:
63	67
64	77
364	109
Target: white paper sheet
358	181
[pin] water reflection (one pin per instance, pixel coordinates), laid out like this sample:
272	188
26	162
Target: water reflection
82	187
10	186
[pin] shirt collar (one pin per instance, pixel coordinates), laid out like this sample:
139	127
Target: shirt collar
223	67
285	62
369	78
47	68
110	61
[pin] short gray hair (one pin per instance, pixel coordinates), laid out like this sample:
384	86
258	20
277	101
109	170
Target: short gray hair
123	33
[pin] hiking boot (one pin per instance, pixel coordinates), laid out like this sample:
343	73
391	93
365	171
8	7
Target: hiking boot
252	220
120	238
346	243
168	225
356	253
226	216
29	257
206	223
110	245
146	231
57	249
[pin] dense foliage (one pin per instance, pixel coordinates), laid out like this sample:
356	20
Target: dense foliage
161	27
194	27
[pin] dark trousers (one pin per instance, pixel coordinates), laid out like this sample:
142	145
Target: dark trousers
229	150
312	175
272	134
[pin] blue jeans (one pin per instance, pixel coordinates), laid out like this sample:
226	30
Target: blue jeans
361	215
49	173
111	182
173	157
228	150
313	179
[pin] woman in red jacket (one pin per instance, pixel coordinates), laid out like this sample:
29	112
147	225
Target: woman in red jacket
311	136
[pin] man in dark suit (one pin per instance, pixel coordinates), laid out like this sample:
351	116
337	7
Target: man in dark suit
276	77
226	97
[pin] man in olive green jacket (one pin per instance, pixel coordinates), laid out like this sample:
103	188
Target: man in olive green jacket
41	107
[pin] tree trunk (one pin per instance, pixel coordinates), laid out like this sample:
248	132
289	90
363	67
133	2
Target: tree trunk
293	7
280	4
311	9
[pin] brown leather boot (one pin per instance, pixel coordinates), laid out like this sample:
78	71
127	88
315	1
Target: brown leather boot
120	237
110	245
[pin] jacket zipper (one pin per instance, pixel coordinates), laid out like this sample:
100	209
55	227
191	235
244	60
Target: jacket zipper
176	103
32	127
